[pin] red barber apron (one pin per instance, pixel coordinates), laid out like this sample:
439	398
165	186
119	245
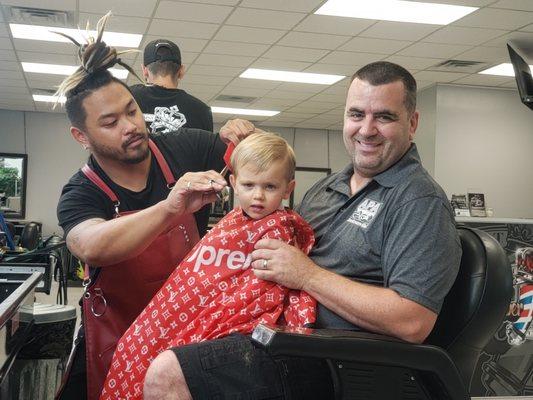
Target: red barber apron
121	291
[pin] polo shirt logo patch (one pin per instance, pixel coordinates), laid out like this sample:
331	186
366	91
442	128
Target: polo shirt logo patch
365	213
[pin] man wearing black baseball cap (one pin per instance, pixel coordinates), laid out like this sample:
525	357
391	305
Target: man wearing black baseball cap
165	107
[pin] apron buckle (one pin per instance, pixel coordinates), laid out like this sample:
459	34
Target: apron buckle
98	294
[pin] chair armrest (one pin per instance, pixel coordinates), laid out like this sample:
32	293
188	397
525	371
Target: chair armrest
362	347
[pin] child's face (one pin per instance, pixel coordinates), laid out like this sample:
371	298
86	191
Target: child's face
260	193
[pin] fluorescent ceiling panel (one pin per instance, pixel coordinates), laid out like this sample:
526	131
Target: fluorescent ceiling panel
56	69
504	69
396	10
36	32
290	76
48	98
243	111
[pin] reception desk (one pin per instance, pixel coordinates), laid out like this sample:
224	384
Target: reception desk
505	368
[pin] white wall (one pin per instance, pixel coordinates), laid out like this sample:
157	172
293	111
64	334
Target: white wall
53	156
427	129
484	141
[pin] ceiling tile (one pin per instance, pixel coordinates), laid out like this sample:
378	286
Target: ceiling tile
351	58
7	55
295	53
217	59
3	30
264	18
263	84
528	28
433	50
280	93
206	79
329	98
488	54
313	40
335	69
414	63
172	29
4	96
5	43
117	23
14	89
135	8
283	65
502	40
482	80
283	5
192	12
300	87
461	35
11	74
421	85
438	76
399	30
39	46
509	84
10	65
249	34
185	44
372	45
214	70
241	91
524	5
20	83
272	103
333	25
201	89
496	18
50	4
237	49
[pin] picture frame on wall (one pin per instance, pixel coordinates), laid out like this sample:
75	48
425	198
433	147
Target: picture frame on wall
305	178
476	204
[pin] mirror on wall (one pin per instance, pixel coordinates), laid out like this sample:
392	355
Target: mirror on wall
13	169
305	179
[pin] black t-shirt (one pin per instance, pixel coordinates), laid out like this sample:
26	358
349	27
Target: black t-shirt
166	110
186	150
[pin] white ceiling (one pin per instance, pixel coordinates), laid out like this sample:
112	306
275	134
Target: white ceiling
219	39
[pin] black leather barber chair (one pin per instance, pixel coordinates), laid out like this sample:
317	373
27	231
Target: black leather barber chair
369	366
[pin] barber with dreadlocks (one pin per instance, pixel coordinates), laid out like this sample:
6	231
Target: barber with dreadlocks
128	213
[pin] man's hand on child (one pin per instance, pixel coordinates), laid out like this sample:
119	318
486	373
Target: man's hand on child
274	260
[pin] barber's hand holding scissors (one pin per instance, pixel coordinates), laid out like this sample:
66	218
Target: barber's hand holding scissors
194	190
274	260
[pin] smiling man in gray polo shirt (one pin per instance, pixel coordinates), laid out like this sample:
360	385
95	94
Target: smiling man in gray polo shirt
387	250
386	254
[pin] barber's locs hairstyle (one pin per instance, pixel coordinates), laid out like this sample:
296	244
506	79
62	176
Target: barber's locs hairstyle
95	59
383	72
262	150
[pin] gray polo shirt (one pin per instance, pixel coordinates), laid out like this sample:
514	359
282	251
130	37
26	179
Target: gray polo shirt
397	232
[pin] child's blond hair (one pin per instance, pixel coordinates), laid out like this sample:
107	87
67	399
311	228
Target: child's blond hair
262	150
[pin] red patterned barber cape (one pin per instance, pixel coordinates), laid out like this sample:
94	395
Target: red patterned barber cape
211	294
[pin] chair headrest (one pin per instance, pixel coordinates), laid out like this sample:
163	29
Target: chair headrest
479	298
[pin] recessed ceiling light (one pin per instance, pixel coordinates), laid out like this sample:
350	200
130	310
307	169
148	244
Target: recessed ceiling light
396	10
48	98
36	32
289	76
504	69
243	111
56	69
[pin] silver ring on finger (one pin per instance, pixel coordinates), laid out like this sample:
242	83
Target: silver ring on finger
265	264
188	186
